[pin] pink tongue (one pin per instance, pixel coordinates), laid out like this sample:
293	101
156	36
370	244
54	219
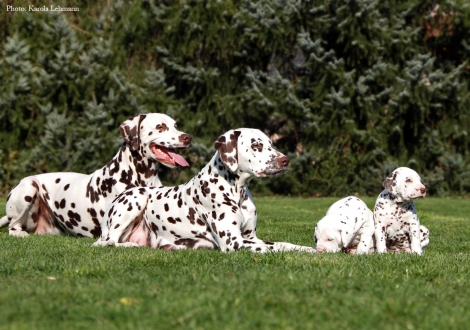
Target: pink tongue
178	159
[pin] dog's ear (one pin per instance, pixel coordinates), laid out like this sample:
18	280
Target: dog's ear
227	146
391	183
130	131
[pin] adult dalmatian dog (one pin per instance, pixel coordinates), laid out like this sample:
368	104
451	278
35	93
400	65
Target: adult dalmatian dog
213	210
347	226
68	203
397	226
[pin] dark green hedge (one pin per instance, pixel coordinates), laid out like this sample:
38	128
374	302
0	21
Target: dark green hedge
348	89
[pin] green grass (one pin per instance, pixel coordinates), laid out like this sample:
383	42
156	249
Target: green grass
117	288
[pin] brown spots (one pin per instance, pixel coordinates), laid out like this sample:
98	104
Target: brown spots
91	193
161	128
57	180
390	181
66	187
191	215
74	216
130	131
166	207
200	222
188	242
96	232
107	185
214	228
225	147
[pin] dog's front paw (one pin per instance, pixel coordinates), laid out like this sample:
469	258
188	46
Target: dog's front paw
103	243
127	244
18	233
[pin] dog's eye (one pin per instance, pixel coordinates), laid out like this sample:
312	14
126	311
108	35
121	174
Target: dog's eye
159	127
176	126
258	146
331	239
315	239
408	180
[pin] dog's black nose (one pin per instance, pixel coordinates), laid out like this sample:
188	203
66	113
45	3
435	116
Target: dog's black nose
283	161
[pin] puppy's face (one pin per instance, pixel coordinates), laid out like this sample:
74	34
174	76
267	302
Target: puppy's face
404	185
331	235
156	136
248	150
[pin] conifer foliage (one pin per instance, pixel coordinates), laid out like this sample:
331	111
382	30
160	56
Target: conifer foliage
348	89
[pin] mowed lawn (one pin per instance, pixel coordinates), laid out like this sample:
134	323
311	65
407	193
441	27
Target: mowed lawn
52	282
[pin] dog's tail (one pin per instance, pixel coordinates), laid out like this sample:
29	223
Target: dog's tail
4	222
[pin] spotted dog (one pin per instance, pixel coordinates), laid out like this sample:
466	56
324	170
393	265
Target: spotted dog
347	226
213	210
397	225
67	203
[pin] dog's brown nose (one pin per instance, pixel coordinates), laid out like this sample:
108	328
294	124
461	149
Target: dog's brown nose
423	190
283	161
185	138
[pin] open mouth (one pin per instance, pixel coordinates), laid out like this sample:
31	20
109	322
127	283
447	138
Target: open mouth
167	156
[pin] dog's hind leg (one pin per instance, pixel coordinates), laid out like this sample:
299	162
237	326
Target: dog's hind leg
19	205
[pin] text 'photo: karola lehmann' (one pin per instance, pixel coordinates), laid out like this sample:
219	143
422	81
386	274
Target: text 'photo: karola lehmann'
41	8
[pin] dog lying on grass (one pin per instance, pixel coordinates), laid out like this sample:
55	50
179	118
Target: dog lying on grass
66	203
213	210
347	226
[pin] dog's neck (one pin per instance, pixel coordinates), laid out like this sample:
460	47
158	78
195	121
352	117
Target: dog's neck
128	167
387	194
218	176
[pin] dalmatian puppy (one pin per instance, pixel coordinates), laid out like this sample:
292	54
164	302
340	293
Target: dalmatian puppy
212	210
67	203
397	225
347	226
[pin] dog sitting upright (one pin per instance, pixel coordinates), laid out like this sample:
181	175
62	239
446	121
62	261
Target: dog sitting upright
397	226
66	203
212	210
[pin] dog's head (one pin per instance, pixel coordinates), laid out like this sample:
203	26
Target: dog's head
332	235
404	185
155	136
247	150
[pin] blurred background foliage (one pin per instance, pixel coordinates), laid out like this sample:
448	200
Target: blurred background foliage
349	90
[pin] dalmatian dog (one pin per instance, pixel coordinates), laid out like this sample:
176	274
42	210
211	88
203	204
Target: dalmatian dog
397	226
347	226
213	210
67	203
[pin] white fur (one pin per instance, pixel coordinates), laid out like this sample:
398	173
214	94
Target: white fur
213	210
395	218
67	203
348	225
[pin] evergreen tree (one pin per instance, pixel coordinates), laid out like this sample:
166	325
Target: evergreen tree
349	90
